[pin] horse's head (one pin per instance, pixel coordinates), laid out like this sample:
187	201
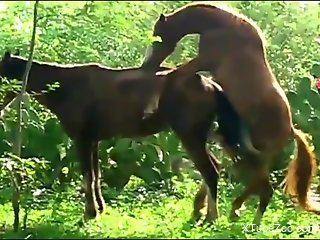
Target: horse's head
157	52
160	28
166	30
10	68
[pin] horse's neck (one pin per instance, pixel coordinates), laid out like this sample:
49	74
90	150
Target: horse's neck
42	75
193	21
186	26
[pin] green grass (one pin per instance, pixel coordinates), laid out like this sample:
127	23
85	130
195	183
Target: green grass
137	212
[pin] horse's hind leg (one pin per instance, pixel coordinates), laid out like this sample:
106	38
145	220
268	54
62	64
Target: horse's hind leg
97	177
261	186
207	165
265	194
84	149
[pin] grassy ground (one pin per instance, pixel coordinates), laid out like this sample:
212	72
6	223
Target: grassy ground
136	212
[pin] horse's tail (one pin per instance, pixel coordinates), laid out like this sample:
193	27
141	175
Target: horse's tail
300	173
231	127
228	120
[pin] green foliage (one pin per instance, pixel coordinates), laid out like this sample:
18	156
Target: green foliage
140	212
305	106
291	30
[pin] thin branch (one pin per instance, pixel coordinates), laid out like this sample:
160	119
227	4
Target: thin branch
16	179
17	146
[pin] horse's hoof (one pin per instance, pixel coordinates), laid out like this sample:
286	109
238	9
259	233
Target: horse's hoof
211	218
102	207
102	210
256	222
196	216
192	221
234	215
90	214
208	222
81	223
257	219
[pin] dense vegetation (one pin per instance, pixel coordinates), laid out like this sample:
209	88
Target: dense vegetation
154	203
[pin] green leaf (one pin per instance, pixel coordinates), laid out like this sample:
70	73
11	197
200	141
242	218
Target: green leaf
293	98
152	154
148	175
315	70
305	110
314	99
122	145
304	86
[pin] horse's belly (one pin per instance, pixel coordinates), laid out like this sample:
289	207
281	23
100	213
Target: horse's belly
123	119
271	127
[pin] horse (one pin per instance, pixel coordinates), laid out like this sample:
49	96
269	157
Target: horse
232	49
193	18
89	104
94	102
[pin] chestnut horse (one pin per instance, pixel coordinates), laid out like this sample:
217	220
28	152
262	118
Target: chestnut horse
94	102
193	18
232	49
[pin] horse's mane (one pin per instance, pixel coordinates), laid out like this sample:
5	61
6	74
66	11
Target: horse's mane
53	64
70	66
236	18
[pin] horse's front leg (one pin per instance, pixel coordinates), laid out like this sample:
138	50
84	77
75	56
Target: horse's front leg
199	201
97	176
84	150
208	166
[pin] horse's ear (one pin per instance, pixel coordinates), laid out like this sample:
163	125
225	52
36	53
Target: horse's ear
7	55
162	18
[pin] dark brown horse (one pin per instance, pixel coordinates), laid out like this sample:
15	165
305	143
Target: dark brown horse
90	105
189	105
94	102
232	49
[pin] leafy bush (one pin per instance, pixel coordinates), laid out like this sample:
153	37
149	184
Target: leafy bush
116	34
